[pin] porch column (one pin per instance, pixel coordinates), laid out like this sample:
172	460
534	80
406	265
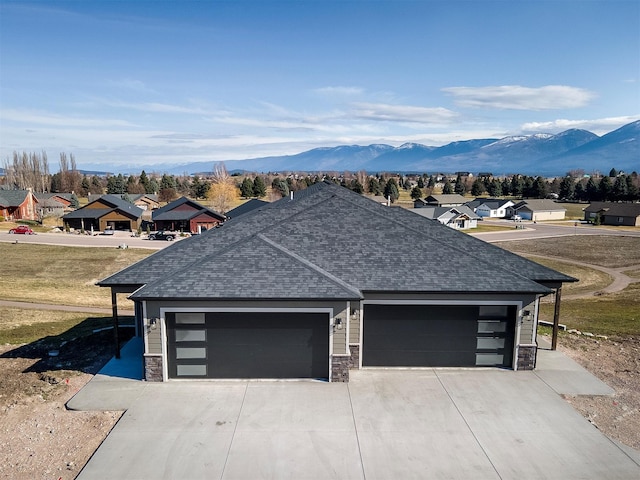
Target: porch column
556	318
116	329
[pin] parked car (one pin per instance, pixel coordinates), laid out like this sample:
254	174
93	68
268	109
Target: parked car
108	231
22	230
169	237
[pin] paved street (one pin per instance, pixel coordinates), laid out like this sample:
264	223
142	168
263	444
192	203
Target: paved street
546	230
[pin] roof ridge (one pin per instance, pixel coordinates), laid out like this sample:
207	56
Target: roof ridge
310	265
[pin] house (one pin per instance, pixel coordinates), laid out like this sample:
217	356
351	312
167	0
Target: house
493	208
614	213
105	212
460	218
18	205
144	201
55	204
330	280
537	210
444	200
246	207
186	216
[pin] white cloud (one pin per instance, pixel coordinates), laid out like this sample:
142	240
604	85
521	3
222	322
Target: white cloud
599	126
516	97
402	113
51	119
339	91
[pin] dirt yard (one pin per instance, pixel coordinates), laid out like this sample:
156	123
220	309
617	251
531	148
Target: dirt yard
616	361
39	437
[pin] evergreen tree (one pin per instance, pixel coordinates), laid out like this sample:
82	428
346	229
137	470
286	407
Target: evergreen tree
416	192
116	185
246	188
506	186
579	192
540	188
605	188
96	186
567	188
146	183
459	187
391	190
373	186
447	189
592	192
85	186
495	188
259	188
420	182
517	186
620	190
432	182
632	189
477	188
280	186
613	173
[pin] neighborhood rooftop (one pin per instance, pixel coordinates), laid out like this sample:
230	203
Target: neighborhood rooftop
330	242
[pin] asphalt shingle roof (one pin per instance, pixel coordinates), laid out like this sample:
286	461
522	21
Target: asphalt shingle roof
12	198
330	243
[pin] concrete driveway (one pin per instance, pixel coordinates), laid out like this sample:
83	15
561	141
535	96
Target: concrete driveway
384	424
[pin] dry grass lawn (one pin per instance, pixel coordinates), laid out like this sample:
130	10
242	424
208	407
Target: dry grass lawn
591	280
606	251
61	275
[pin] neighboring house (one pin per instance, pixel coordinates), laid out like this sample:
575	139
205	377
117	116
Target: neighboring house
18	205
54	204
444	200
185	215
537	210
313	286
614	213
246	207
460	218
144	201
106	212
492	208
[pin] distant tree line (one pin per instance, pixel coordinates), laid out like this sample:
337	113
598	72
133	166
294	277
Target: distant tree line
31	170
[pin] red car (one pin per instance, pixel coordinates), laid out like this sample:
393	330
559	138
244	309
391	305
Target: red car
22	229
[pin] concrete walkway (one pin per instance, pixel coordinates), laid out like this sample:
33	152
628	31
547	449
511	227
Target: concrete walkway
384	424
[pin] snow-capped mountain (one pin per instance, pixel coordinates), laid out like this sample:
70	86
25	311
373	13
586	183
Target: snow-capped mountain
539	154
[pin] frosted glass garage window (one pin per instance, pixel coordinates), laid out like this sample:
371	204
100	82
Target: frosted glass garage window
487	326
191	352
191	335
189	317
488	343
489	359
191	370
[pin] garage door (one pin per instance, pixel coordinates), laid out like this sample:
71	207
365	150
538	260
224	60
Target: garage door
438	335
248	345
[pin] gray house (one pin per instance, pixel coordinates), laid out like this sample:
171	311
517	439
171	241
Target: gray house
329	281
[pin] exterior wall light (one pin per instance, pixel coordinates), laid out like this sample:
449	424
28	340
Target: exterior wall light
153	323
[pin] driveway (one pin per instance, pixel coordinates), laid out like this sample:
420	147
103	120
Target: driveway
384	424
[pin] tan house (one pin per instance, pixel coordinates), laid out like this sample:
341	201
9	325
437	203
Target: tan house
538	210
109	212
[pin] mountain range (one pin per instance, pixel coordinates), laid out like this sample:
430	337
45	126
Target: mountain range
539	154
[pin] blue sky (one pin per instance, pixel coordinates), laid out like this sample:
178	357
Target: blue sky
149	83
